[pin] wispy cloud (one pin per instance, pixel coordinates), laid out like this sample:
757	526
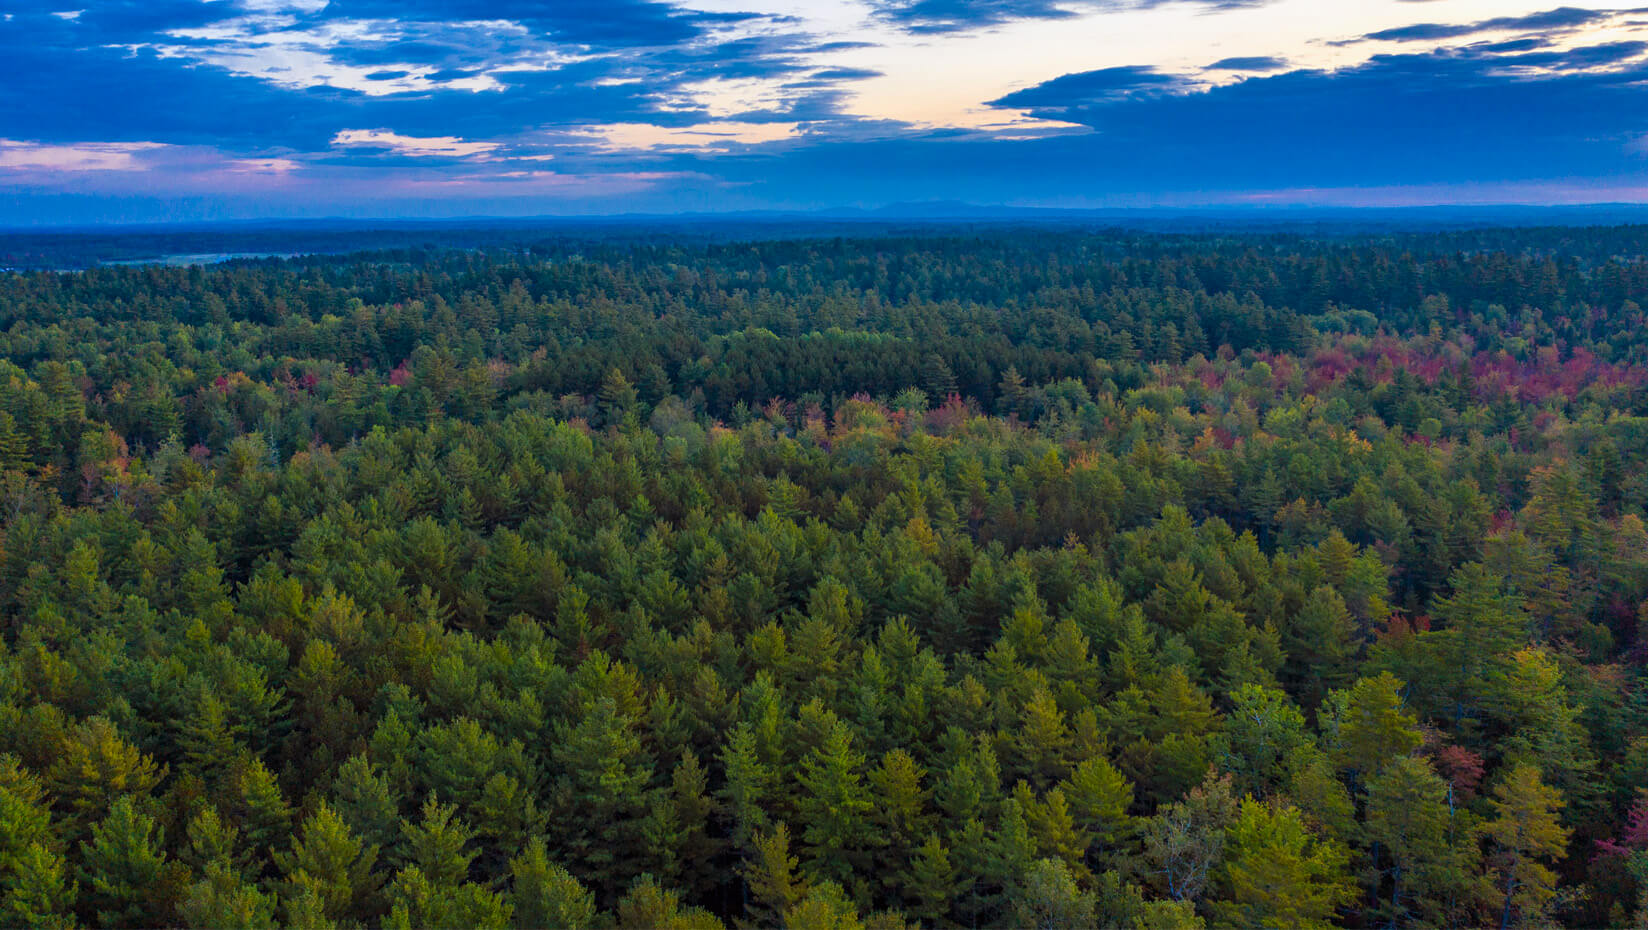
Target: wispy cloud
1558	20
946	16
417	147
81	156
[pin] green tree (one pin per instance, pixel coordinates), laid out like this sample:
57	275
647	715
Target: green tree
416	903
1483	626
1419	864
932	884
1099	798
1276	874
1321	643
125	869
546	895
749	783
1049	898
97	766
770	881
900	817
648	906
824	907
328	862
438	845
1526	834
834	808
222	898
366	801
35	891
1369	726
601	794
1266	738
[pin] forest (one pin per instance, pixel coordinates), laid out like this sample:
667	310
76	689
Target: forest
1051	578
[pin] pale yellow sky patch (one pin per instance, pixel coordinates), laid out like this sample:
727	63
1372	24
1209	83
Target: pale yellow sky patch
719	136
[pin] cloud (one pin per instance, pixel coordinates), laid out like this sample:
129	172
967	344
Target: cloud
1248	64
1444	115
427	147
944	16
262	165
936	16
845	74
602	24
1558	20
1087	88
267	76
83	156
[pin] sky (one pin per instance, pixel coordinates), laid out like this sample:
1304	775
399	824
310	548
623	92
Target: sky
181	110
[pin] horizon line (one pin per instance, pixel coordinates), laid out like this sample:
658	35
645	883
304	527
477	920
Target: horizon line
936	212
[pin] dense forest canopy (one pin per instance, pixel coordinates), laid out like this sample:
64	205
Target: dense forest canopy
1022	578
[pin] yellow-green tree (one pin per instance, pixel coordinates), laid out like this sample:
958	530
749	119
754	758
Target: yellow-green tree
1526	835
1277	874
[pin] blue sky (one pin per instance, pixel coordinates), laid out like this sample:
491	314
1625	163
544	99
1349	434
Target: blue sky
142	110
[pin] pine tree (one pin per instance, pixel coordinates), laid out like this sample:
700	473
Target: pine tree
932	883
900	817
1526	834
14	445
211	841
697	849
1042	740
1099	798
438	845
601	795
1266	738
1049	899
648	906
618	397
545	895
1009	852
417	903
330	863
1053	826
769	876
259	809
1414	855
1276	874
936	378
1370	725
222	898
35	890
1321	646
835	808
96	765
749	782
824	907
124	864
366	802
1483	626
